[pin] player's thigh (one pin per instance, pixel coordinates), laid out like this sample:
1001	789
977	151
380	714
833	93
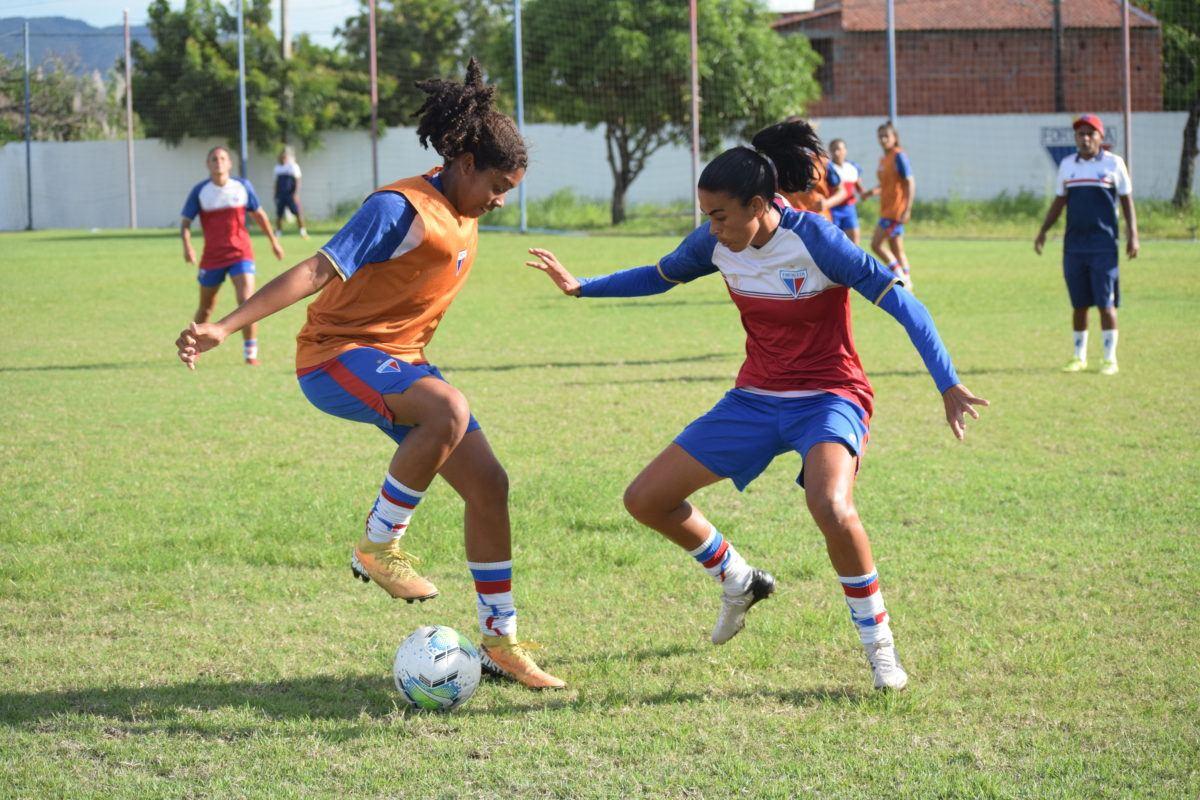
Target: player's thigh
1078	276
474	472
429	401
243	285
829	471
669	479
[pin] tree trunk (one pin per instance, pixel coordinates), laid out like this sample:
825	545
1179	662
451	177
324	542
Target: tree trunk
618	201
1187	159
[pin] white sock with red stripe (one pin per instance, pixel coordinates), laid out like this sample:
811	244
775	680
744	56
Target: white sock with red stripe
493	597
250	348
866	607
720	560
392	510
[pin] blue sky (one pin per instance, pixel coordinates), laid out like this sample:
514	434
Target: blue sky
315	17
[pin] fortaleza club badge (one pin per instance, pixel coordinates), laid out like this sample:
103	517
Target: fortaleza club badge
462	256
388	366
793	279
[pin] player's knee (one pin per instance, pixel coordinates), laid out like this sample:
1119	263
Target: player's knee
453	413
833	514
492	488
642	502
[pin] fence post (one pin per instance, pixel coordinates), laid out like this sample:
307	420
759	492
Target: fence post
28	142
1127	88
374	73
129	129
891	57
241	37
695	47
518	55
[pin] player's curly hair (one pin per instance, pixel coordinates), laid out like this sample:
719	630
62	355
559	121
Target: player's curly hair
458	118
781	159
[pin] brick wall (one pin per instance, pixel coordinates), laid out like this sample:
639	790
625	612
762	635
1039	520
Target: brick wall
990	72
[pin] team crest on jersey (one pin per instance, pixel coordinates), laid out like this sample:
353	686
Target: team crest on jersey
462	256
793	279
391	365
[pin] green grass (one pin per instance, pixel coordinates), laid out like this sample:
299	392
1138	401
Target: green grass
177	618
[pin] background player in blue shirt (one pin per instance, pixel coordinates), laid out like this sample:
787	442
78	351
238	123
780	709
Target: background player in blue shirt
1088	186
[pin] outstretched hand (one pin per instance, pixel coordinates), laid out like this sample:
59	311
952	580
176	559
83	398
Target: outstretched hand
198	338
550	265
959	401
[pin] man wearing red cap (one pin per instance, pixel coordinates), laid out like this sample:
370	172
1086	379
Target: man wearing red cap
1089	185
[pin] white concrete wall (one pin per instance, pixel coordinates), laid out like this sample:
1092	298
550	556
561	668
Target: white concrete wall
83	184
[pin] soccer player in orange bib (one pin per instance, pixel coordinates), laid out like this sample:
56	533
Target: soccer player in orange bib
896	190
386	279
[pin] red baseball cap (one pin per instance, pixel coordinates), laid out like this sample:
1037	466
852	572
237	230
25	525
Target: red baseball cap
1089	119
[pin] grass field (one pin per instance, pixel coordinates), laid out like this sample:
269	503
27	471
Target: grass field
177	618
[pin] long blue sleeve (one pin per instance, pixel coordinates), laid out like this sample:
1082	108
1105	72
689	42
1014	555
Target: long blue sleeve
912	314
633	282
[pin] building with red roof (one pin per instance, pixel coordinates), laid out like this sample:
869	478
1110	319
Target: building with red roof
972	57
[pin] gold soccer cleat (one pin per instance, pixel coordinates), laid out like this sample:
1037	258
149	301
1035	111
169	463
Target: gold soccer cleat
505	657
391	568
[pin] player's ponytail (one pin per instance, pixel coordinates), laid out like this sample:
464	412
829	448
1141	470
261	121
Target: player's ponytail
781	159
792	145
459	118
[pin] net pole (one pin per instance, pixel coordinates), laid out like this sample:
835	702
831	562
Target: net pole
374	73
695	58
519	72
241	39
129	129
891	57
1127	86
28	142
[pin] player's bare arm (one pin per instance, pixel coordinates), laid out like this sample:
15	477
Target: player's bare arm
185	233
549	264
306	278
264	222
1131	232
959	401
1052	215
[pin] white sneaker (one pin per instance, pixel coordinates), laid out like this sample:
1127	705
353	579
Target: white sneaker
734	606
885	665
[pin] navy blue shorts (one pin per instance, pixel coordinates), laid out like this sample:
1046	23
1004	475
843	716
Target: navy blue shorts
744	431
845	217
216	275
286	203
1092	279
352	387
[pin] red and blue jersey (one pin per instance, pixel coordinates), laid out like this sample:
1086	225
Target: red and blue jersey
793	295
1092	186
222	211
851	177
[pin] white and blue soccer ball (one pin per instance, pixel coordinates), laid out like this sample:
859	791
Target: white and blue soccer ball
436	668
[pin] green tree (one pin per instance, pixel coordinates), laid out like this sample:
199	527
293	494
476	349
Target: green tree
188	85
1180	20
418	39
625	65
64	105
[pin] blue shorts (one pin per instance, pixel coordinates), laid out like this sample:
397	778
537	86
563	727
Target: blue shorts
216	275
1092	279
845	217
744	431
286	203
352	387
892	227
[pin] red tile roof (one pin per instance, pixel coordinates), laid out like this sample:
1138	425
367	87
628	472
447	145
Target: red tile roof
923	15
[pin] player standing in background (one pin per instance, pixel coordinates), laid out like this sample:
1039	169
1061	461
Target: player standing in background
1088	185
845	215
222	203
386	280
287	191
802	387
897	188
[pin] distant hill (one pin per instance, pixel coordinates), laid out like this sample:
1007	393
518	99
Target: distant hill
82	46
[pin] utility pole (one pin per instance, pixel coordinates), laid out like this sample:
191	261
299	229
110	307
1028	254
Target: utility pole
28	142
285	33
241	43
129	127
1060	101
374	70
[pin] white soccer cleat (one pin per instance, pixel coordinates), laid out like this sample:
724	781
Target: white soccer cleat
885	665
734	607
1108	367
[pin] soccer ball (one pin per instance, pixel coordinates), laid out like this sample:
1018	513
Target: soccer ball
436	668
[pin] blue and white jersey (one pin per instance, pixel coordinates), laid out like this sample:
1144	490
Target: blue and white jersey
1092	186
